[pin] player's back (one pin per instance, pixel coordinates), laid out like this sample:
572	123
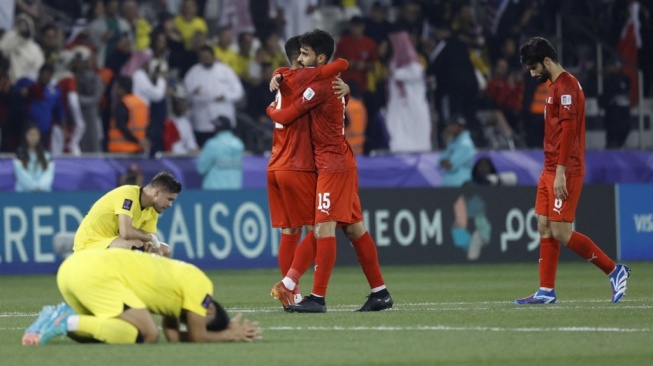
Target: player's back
291	144
164	285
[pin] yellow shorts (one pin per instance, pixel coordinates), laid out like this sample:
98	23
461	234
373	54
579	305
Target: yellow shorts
91	287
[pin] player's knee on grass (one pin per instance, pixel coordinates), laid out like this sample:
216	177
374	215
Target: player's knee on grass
143	321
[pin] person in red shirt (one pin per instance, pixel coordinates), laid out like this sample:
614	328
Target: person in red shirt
360	50
560	184
291	169
336	196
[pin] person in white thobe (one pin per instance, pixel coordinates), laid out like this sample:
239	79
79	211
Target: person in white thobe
408	118
213	90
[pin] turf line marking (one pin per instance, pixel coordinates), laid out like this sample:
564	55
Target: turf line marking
481	329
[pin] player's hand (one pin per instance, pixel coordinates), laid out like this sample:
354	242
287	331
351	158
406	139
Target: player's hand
446	164
274	82
340	87
244	330
560	186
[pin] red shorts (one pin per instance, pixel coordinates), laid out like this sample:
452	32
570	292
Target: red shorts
546	204
336	198
291	196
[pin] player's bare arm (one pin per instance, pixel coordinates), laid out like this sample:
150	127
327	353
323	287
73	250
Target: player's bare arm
239	330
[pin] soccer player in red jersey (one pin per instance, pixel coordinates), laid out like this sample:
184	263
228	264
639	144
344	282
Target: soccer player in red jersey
291	169
336	197
558	190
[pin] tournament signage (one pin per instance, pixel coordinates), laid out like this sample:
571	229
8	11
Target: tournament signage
231	229
471	224
635	205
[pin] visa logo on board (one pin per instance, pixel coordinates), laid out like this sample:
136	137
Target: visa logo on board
643	223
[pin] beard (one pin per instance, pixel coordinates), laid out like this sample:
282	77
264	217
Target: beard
544	76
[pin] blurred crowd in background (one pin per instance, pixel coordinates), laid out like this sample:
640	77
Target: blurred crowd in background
164	76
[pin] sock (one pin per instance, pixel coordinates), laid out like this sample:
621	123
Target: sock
549	253
585	247
304	257
108	330
72	323
289	283
287	251
380	294
325	260
367	257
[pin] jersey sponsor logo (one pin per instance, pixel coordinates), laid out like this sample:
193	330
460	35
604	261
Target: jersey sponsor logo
308	94
127	204
565	99
206	302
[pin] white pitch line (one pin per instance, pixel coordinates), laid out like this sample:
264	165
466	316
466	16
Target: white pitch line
482	329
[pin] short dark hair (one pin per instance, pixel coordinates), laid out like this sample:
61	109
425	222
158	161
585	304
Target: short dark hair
319	41
208	49
166	181
292	47
535	50
221	320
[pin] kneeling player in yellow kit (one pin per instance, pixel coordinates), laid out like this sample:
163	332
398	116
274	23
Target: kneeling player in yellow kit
110	295
126	217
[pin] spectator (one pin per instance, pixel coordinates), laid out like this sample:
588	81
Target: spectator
33	165
221	158
237	15
174	48
457	86
505	90
408	118
296	15
355	120
150	85
223	48
7	12
244	56
24	54
458	157
51	43
140	27
179	134
43	101
107	30
377	25
361	52
188	23
485	173
129	121
90	88
213	89
67	136
9	129
616	104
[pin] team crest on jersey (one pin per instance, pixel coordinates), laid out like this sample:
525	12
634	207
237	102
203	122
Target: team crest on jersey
308	94
565	99
206	302
127	204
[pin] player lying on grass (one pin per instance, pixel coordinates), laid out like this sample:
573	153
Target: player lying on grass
110	295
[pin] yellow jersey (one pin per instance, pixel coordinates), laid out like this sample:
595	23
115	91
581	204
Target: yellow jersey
102	282
100	225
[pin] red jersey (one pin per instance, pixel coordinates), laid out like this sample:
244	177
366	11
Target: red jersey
565	102
291	143
327	111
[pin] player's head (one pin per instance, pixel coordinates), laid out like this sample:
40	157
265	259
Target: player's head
217	318
317	47
123	85
538	55
292	47
165	189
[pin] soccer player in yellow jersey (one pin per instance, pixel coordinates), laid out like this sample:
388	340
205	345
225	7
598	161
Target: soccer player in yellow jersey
126	217
110	295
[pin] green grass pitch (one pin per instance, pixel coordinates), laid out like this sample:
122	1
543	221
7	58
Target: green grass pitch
443	315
